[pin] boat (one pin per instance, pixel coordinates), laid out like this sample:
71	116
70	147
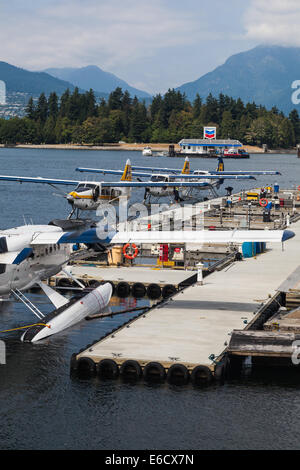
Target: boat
161	154
147	152
235	153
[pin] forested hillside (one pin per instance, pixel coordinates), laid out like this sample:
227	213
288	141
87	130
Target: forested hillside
78	118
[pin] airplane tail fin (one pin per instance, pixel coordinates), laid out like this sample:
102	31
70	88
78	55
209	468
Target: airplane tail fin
186	167
127	174
220	166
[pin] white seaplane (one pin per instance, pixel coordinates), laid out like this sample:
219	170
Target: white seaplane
31	254
174	183
88	195
202	173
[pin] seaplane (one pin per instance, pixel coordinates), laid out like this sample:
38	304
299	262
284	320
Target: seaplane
177	183
202	173
88	195
30	254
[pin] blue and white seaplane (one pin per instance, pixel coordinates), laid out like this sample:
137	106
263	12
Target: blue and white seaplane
173	183
88	195
210	180
30	254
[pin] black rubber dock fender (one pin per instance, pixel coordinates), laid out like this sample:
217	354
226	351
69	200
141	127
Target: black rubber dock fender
154	291
154	371
107	369
86	367
123	289
168	290
178	374
131	370
201	375
138	290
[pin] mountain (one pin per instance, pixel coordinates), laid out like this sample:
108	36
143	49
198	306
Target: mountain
18	80
263	75
95	78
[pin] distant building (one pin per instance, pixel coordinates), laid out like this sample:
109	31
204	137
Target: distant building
2	93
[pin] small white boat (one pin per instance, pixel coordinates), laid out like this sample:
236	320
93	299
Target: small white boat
162	154
147	152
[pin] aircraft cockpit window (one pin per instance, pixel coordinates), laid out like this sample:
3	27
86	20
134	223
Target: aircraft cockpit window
85	187
159	178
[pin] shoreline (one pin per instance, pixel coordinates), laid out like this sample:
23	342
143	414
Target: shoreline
134	147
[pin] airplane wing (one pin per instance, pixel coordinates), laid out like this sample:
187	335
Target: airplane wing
203	236
215	172
157	170
154	184
39	179
104	171
181	176
94	235
258	172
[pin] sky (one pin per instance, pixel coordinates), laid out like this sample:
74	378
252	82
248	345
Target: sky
153	45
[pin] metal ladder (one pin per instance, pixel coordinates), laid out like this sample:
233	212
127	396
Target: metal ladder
20	296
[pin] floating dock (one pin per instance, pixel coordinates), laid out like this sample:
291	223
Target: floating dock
139	281
188	335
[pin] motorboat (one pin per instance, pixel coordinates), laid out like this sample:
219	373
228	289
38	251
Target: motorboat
147	152
234	152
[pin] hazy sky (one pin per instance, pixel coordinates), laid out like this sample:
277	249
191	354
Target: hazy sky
152	44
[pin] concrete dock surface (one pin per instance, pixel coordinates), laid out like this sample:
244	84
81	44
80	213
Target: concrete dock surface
197	322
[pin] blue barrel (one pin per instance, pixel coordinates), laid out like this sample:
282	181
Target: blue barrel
249	249
276	188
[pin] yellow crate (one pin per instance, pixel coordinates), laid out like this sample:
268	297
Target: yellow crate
252	196
165	263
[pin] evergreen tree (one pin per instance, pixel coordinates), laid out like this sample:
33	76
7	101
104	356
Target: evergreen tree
42	108
53	105
197	106
30	110
227	126
295	121
115	99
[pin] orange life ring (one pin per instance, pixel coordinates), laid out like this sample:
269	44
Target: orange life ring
134	254
263	202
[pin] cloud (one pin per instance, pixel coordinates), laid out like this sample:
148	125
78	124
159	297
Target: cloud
274	22
159	43
76	32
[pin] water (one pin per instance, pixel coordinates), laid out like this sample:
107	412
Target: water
42	407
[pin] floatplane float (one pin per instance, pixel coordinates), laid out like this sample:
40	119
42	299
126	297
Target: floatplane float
30	254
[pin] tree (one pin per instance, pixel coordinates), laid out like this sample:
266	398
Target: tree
49	130
295	121
212	109
42	108
115	99
30	110
91	108
197	106
227	126
53	105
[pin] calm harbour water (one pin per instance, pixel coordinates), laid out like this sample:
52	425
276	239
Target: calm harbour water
42	407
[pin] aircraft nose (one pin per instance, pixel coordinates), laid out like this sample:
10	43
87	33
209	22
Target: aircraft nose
70	198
